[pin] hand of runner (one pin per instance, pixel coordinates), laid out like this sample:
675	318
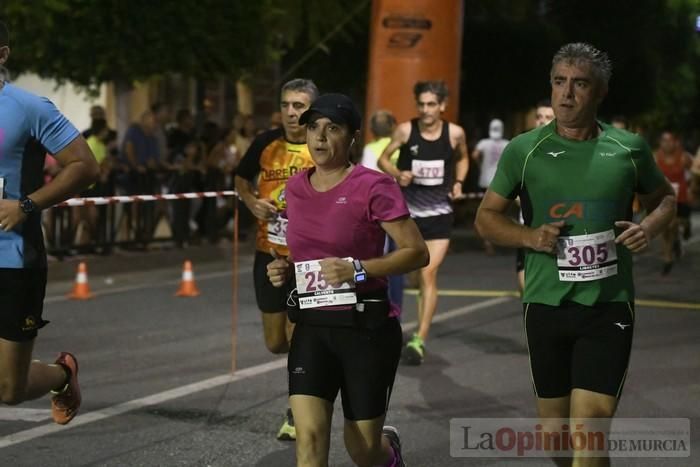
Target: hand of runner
11	214
405	178
263	209
544	237
278	269
634	237
335	271
457	193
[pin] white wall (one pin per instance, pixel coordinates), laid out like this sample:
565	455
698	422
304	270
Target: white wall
72	103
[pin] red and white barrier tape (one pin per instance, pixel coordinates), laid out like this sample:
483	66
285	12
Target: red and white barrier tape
99	200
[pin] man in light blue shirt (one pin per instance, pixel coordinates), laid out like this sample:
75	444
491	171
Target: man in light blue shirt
31	126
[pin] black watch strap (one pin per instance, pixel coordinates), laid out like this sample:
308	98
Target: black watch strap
27	205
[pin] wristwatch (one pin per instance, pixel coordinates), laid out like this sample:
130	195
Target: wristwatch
360	273
27	205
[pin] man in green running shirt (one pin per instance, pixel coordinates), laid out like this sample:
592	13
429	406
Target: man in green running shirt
576	178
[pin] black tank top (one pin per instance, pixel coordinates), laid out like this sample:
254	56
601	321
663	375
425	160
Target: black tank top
432	164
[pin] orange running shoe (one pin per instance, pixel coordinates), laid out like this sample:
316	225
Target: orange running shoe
66	402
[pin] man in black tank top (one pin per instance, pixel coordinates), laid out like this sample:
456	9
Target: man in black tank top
431	169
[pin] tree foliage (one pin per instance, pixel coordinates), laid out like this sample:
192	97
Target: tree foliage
90	42
507	46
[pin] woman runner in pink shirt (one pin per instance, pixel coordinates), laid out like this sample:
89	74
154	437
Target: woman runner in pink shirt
347	336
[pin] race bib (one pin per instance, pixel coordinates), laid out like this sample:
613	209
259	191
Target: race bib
428	173
277	231
314	292
582	258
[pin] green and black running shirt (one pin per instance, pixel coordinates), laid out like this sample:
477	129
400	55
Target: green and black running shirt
590	185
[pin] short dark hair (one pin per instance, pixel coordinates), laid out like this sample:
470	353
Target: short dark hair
301	85
580	52
182	114
439	88
98	125
544	103
4	35
382	123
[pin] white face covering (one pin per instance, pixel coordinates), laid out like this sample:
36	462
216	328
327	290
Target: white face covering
496	129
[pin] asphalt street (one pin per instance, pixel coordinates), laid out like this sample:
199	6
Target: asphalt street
155	369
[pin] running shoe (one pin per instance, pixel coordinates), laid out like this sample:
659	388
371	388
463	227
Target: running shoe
414	352
392	435
287	431
66	401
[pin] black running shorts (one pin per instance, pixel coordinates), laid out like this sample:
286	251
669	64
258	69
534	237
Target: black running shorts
270	299
683	210
435	227
361	363
577	346
519	259
21	303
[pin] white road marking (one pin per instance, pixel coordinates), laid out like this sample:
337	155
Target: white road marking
211	383
13	414
159	398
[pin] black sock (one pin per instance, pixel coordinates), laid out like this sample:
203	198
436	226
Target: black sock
68	373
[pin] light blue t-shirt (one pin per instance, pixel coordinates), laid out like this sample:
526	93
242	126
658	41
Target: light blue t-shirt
30	126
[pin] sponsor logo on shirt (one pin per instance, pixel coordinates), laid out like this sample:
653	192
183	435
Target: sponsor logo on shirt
595	210
283	173
607	154
555	154
342	200
413	149
29	324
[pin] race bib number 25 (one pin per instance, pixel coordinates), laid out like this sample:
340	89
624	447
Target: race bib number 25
314	292
582	258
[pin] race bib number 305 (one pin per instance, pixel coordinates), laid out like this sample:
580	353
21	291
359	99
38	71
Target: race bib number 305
314	292
582	258
277	231
428	173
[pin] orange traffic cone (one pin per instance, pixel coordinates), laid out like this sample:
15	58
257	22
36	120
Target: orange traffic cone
81	289
187	287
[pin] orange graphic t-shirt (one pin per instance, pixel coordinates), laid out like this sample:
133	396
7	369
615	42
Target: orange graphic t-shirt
269	162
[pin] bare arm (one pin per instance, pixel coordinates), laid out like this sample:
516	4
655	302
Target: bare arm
80	169
411	253
462	154
495	226
660	207
261	208
462	167
131	157
399	138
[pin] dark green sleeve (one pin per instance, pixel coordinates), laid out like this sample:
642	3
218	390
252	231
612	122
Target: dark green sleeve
508	176
649	176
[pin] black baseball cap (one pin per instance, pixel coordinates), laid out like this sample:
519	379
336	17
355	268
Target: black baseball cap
339	108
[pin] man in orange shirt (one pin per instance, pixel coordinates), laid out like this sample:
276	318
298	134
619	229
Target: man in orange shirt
261	179
674	161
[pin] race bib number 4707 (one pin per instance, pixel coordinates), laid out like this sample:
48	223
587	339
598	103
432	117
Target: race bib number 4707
582	258
314	292
428	173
